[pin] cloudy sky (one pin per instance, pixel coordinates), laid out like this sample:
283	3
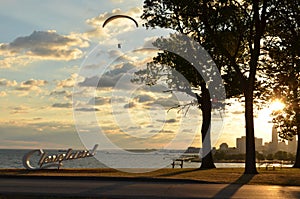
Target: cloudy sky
64	79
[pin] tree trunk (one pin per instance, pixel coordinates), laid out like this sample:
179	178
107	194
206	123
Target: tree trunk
297	161
250	164
205	105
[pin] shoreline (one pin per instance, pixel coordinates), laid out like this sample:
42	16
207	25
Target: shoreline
279	176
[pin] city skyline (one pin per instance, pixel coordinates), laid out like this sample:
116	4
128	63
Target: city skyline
273	146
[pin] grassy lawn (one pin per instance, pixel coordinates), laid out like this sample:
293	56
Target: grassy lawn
284	176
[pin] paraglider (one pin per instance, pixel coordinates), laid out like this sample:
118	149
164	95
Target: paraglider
119	16
108	20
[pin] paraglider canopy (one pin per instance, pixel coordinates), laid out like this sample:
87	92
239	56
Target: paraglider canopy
119	16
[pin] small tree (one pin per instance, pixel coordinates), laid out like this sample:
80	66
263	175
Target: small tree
260	156
281	155
270	157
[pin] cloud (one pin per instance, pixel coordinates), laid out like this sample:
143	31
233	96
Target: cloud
20	88
62	105
31	85
67	83
108	79
148	42
166	131
167	121
38	135
90	82
20	60
187	130
33	82
115	54
57	93
5	82
62	93
162	131
92	67
42	45
129	105
87	109
164	102
144	98
98	101
20	109
3	94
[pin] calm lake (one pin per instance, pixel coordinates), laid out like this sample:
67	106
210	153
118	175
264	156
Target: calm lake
13	159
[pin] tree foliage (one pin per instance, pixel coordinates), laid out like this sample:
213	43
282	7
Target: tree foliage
198	71
283	47
232	32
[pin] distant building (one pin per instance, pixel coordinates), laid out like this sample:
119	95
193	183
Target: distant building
229	150
193	150
223	147
274	146
292	145
274	135
258	144
241	144
281	146
266	148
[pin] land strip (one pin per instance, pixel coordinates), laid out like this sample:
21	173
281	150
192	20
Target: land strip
278	176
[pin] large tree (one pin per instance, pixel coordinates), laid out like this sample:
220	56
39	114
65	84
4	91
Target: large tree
283	47
187	68
232	32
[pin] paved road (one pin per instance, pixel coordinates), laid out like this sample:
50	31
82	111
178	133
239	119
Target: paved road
126	188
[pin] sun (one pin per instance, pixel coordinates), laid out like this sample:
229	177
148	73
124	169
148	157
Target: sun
276	105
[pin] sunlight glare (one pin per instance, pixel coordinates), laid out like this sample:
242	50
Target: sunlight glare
276	105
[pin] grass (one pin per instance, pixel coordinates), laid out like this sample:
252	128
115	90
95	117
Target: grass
284	176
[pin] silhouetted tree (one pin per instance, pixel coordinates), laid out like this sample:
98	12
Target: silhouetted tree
260	156
281	155
232	32
283	69
166	66
270	157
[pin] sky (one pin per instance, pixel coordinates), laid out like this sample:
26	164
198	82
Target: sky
65	82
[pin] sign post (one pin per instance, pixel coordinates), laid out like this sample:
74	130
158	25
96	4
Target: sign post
55	160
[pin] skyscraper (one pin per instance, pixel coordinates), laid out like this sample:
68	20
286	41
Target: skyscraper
292	145
241	144
274	134
274	143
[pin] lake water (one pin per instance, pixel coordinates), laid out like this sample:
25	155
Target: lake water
13	159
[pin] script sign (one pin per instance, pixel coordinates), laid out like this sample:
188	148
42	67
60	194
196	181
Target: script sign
55	160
